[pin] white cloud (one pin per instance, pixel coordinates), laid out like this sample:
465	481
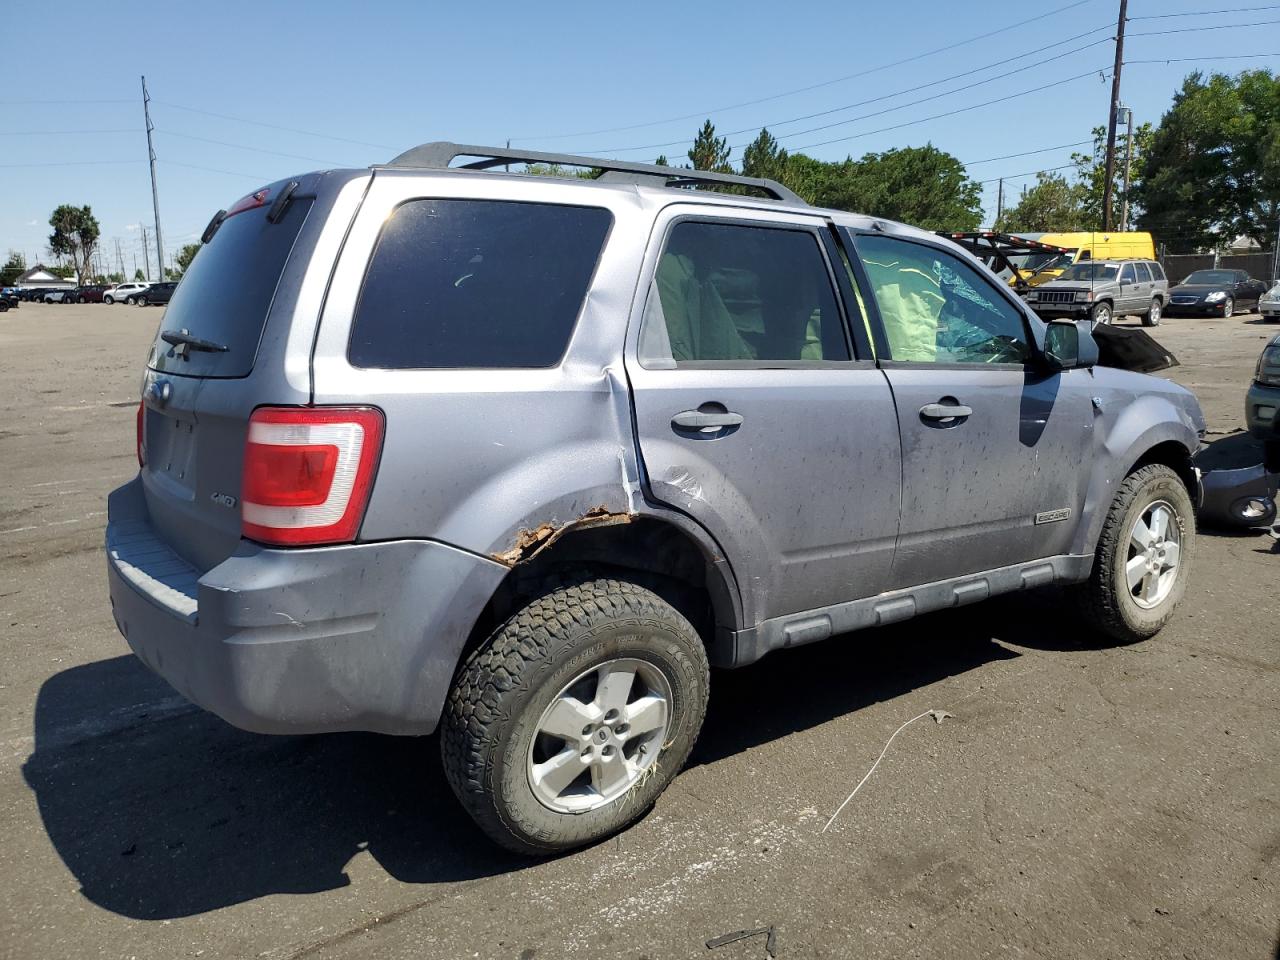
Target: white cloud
131	227
33	223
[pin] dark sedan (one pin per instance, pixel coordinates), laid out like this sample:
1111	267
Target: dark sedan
156	294
1214	293
89	294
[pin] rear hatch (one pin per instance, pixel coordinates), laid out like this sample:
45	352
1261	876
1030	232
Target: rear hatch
216	356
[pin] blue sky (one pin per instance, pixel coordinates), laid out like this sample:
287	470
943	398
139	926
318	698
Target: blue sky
376	78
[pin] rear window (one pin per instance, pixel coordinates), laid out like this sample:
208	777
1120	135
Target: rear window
476	283
226	293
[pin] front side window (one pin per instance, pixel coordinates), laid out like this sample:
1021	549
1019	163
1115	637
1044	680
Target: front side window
1126	275
935	308
740	294
476	283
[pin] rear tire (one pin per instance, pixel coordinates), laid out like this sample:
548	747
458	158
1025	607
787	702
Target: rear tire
1152	318
1102	314
143	302
1127	596
542	672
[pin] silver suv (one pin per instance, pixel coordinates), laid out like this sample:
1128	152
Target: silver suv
522	456
1100	290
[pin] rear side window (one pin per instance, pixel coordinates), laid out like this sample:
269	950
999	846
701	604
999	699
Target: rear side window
226	293
476	283
729	293
1157	271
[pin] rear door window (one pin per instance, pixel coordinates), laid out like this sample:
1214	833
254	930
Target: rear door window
1144	275
226	293
475	284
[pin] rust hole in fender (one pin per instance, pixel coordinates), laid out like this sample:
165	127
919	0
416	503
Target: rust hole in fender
531	541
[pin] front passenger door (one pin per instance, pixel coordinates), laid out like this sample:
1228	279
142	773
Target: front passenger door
995	449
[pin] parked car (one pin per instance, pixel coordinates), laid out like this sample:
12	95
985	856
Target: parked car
157	294
1100	290
659	469
1269	303
124	292
9	296
1214	293
34	294
58	295
93	293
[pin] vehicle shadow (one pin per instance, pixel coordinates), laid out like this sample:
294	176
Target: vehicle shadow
161	810
177	813
793	690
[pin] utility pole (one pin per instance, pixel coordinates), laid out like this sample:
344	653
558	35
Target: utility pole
999	202
1128	161
1110	167
146	253
1275	260
155	196
119	256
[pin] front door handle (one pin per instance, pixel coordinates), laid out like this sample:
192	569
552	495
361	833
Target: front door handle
945	411
698	420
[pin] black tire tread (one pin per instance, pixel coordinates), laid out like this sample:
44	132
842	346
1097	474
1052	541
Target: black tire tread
1100	597
535	633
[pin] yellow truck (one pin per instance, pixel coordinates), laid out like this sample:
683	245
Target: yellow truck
1038	268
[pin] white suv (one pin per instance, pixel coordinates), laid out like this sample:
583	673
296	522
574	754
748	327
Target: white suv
124	293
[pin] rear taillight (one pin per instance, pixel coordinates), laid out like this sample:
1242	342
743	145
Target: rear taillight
141	435
308	472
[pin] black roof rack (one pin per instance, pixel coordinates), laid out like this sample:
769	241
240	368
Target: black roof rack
440	154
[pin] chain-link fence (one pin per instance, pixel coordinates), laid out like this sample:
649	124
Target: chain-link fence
1257	265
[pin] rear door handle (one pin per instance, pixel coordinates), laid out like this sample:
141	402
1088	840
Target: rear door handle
945	411
696	420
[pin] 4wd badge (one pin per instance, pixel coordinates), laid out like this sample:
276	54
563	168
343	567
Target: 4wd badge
228	501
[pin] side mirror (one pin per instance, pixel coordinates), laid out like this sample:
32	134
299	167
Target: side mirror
1064	349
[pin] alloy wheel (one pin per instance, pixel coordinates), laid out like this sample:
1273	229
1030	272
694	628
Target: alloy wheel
600	735
1151	568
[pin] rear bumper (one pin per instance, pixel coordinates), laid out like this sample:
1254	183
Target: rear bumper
357	637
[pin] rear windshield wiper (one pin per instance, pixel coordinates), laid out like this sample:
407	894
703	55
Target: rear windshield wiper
184	341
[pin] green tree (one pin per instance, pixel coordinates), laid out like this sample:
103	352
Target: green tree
75	236
710	152
14	267
764	157
1091	176
1213	167
137	274
922	186
185	256
662	161
1053	205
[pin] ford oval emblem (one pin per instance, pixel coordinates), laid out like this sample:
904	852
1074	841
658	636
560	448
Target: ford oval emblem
159	392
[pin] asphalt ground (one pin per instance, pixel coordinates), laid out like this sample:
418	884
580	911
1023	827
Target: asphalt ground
1083	800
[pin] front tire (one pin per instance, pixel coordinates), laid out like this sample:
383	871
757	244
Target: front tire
1228	307
1152	319
566	725
108	299
1143	557
1102	314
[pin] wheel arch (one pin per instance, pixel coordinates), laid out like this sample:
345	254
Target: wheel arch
665	552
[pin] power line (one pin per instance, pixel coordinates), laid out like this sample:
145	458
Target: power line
272	126
1032	173
56	133
231	173
24	103
245	146
814	86
1012	156
1102	71
1217	26
1206	13
849	106
1232	56
67	163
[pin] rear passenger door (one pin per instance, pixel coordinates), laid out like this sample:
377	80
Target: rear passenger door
758	412
1130	296
995	450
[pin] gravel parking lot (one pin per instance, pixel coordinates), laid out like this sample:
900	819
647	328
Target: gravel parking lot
1084	801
